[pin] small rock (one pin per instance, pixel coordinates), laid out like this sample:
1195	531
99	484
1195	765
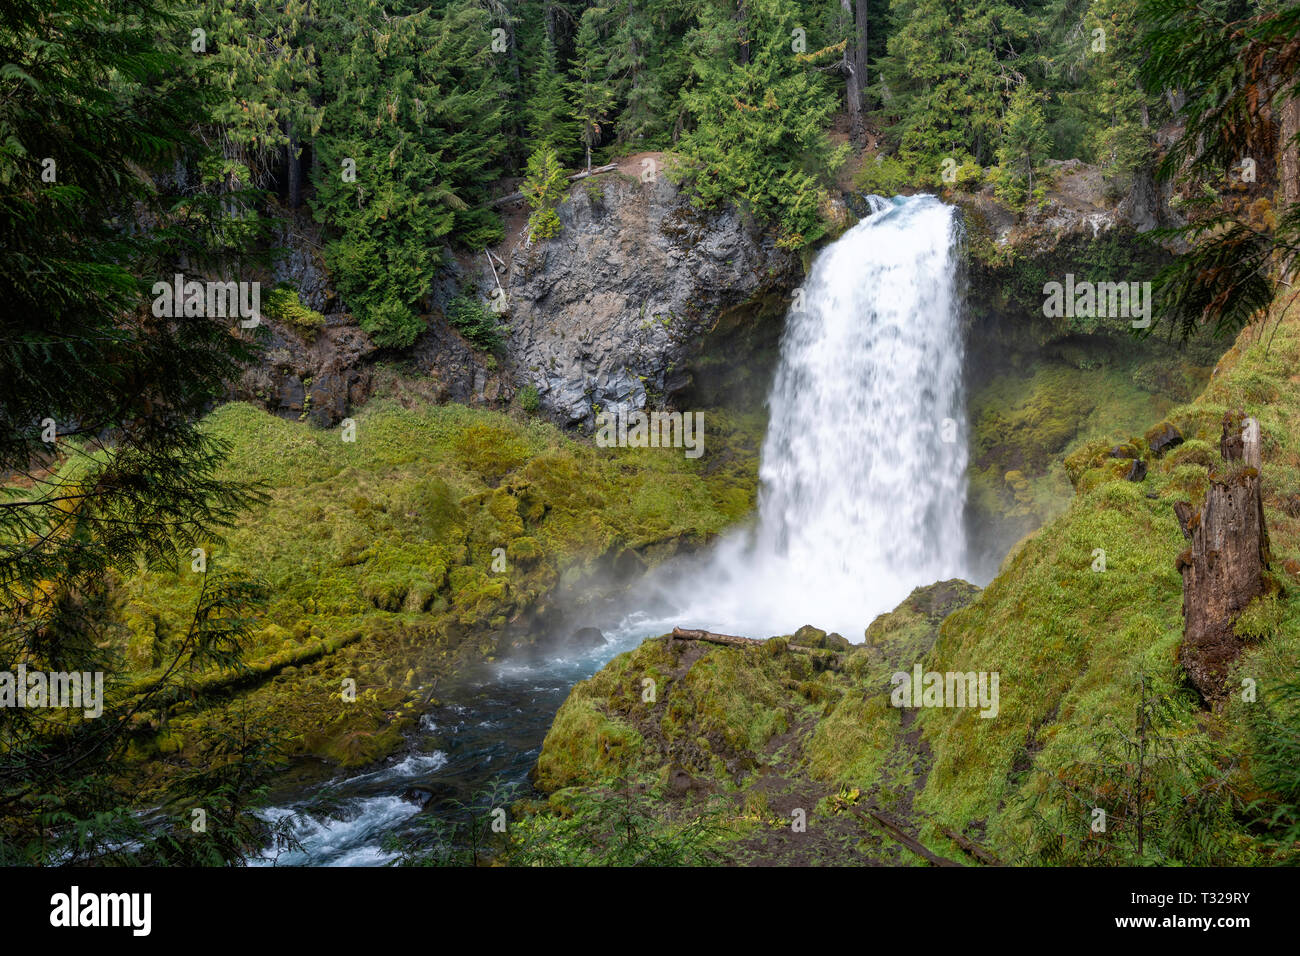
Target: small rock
1162	438
586	637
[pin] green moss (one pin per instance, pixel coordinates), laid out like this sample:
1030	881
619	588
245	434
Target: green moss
380	554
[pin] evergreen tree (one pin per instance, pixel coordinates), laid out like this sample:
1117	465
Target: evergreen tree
633	77
267	67
589	94
950	70
407	148
547	111
1024	147
105	468
1121	135
760	110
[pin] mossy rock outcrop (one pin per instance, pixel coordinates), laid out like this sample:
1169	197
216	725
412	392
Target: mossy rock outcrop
792	720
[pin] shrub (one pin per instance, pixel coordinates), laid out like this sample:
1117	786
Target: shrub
391	324
529	400
544	188
475	321
284	305
885	176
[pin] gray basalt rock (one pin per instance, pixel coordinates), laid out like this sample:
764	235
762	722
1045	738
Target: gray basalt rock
605	315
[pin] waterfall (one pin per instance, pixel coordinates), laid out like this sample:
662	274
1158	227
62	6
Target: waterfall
862	475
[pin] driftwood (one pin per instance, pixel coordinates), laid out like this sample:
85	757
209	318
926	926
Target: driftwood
731	640
685	634
515	197
1223	569
974	849
893	829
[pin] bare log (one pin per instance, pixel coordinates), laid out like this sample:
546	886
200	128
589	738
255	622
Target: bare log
686	634
515	197
731	640
892	828
971	847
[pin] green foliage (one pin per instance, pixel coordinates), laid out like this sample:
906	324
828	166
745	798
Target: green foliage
105	471
416	115
1149	793
270	80
544	187
948	74
1275	735
617	823
283	304
1224	58
884	176
590	97
475	321
529	400
759	124
1023	149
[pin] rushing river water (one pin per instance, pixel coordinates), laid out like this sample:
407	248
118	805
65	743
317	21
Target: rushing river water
862	489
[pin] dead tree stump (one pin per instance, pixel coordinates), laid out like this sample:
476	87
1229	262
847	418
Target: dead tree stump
1223	570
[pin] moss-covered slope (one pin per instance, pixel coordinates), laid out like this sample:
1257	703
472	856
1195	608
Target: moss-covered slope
432	538
1096	728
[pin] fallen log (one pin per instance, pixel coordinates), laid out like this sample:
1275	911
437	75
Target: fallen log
515	197
893	829
731	640
686	634
974	849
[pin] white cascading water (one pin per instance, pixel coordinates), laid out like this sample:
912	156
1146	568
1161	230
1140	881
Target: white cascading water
862	475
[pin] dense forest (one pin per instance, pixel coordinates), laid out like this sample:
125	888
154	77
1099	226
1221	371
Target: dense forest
144	138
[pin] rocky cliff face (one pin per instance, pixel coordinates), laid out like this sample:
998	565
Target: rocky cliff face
610	313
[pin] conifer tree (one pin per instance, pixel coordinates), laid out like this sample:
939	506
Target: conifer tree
949	72
408	145
105	467
268	71
590	97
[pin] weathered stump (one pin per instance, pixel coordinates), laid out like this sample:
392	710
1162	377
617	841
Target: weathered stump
1223	570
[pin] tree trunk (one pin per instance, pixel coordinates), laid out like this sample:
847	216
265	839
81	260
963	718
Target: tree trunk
295	170
860	48
852	76
742	54
1289	167
1223	570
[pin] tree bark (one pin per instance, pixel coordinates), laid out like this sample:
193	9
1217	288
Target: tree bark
1289	167
1223	570
295	170
860	48
742	51
850	65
